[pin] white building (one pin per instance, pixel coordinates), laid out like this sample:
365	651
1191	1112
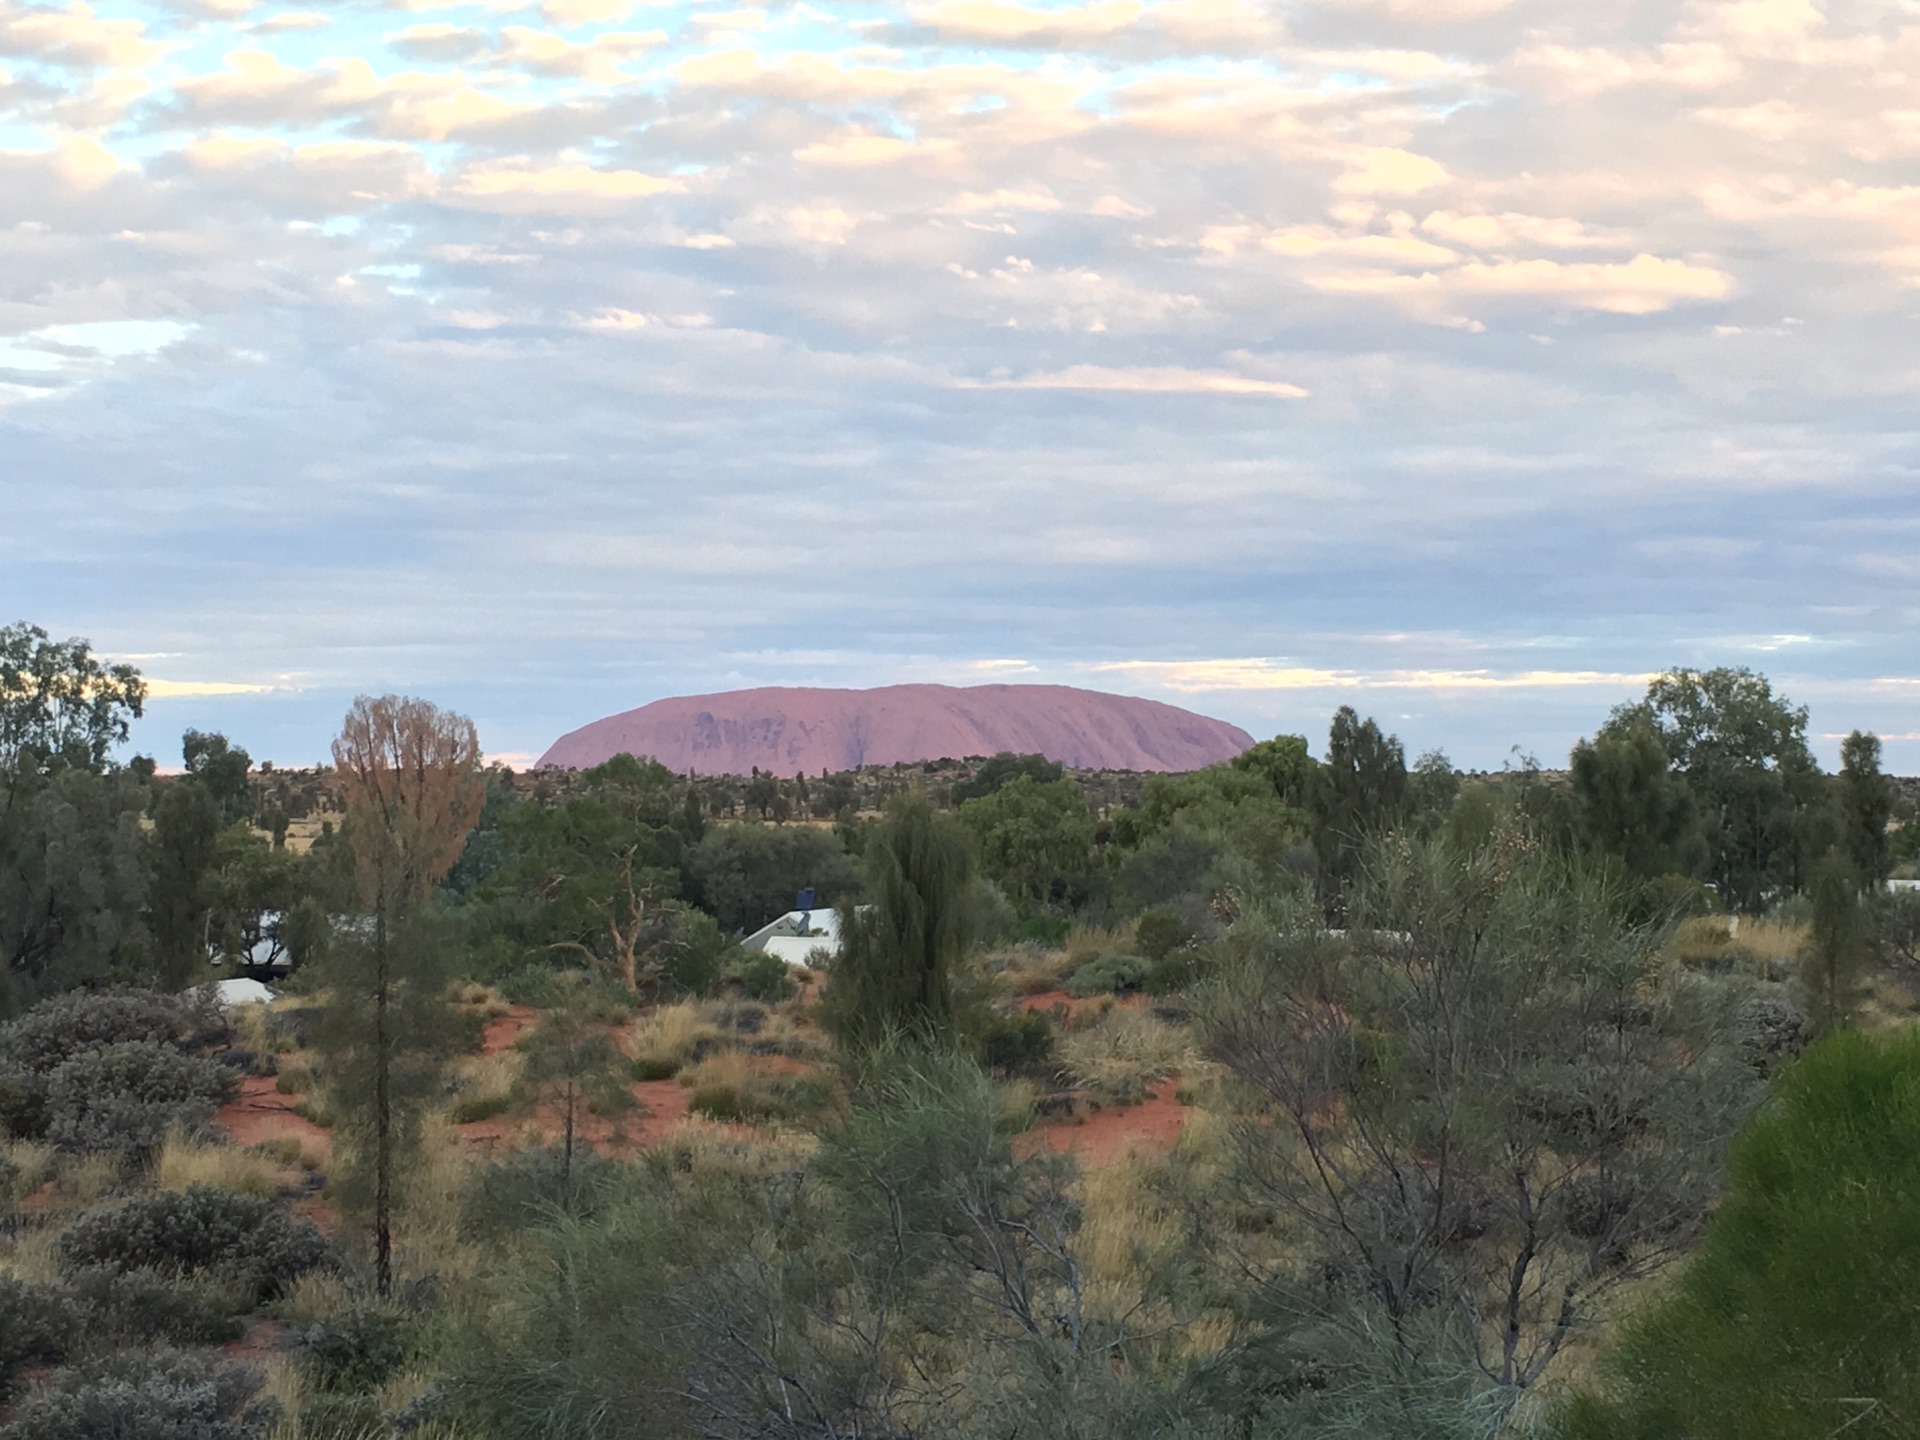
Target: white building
800	937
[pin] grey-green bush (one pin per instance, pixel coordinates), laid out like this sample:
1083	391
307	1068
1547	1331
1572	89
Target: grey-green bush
146	1395
39	1325
250	1239
123	1098
1109	975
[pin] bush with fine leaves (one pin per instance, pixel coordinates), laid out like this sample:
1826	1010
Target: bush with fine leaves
39	1325
251	1240
56	1031
123	1098
146	1395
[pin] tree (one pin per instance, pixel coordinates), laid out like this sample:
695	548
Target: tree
744	875
186	831
222	768
59	706
73	883
1630	805
1866	799
898	956
1362	794
1838	942
1003	769
1488	1105
1742	753
1034	840
572	1060
72	872
1286	765
410	776
1795	1321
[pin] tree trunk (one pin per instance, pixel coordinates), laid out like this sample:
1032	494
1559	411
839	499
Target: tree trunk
382	1121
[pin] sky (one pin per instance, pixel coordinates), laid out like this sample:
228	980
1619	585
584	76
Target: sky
1466	361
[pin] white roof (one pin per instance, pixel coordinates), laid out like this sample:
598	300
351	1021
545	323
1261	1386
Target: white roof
231	993
823	922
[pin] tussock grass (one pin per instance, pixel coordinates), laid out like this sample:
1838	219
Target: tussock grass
427	1232
488	1001
698	1148
674	1036
489	1085
184	1162
87	1178
30	1164
314	1298
1025	969
32	1256
1123	1052
1087	943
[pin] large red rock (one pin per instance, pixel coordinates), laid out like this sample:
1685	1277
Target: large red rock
789	731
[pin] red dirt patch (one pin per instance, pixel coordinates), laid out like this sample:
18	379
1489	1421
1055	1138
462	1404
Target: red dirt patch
1104	1136
503	1030
260	1112
1049	999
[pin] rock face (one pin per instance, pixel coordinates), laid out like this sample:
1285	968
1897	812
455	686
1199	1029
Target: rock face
790	731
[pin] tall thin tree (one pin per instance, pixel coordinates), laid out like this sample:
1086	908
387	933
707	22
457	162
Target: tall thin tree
898	955
410	775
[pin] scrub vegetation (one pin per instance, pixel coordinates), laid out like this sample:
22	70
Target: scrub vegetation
1296	1097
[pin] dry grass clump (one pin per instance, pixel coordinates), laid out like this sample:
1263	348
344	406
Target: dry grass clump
673	1037
86	1178
483	999
33	1255
427	1239
488	1086
1124	1052
25	1165
1768	949
1087	943
1025	968
730	1087
184	1162
697	1148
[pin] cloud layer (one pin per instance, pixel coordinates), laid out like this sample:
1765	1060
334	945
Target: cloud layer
1473	357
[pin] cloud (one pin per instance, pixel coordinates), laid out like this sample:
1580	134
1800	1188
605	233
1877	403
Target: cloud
1213	676
1145	380
509	351
161	689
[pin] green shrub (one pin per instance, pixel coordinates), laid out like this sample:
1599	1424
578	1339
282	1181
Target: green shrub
57	1029
537	985
1161	931
1109	975
146	1395
1795	1318
470	1108
766	978
123	1098
1177	970
653	1067
1044	929
725	1103
146	1307
533	1186
1016	1043
39	1325
252	1240
360	1351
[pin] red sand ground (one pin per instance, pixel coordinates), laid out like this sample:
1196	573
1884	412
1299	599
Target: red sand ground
1050	999
260	1112
1150	1127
